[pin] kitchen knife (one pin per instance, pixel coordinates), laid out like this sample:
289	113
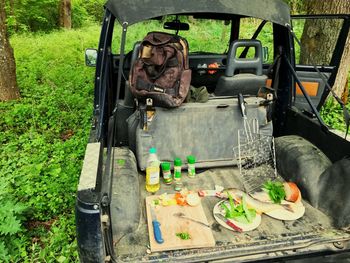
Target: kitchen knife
229	223
156	227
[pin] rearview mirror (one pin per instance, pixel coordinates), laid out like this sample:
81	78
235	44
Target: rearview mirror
90	57
176	25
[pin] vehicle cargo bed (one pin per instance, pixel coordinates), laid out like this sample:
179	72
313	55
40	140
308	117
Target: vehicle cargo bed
312	232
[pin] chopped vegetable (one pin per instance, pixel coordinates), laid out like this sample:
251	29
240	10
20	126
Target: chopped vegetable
292	192
166	200
180	199
240	213
275	190
193	199
185	192
183	235
156	202
169	202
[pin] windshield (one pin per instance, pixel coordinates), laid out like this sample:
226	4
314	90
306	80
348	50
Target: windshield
204	35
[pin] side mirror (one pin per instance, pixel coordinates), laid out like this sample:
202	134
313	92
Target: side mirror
90	57
265	54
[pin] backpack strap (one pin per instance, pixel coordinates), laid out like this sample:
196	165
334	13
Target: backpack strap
151	87
184	45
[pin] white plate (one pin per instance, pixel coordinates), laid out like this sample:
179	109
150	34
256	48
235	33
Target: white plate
282	214
245	227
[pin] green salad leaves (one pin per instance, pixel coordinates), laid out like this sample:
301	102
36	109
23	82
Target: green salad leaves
183	235
240	212
275	190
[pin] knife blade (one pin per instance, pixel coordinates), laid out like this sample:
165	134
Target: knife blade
156	227
229	223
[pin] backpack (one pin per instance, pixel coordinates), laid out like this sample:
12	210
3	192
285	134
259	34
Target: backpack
161	71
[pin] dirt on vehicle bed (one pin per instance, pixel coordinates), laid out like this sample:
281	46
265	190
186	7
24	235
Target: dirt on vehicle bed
312	232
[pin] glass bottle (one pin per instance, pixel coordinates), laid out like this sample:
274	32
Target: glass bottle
152	171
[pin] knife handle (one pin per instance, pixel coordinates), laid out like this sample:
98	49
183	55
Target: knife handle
242	105
157	233
237	228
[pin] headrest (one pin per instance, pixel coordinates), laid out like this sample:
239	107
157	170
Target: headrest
234	62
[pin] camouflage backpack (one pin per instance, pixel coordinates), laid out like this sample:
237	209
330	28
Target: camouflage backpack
161	71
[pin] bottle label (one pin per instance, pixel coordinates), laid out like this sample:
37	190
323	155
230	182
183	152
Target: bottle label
177	172
153	175
167	176
191	170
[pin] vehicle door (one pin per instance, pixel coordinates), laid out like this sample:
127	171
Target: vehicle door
323	38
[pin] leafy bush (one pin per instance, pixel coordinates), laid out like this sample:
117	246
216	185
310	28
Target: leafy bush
80	16
42	144
94	8
33	16
332	114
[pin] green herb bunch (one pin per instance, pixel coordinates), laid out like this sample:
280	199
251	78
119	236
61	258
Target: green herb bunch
275	190
183	235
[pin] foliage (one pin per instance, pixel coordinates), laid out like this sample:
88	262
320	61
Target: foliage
42	144
80	16
85	12
31	15
239	212
43	15
275	190
94	8
332	114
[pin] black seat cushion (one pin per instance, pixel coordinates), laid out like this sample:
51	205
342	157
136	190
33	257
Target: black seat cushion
245	83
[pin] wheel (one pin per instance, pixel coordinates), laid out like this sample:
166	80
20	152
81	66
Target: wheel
301	162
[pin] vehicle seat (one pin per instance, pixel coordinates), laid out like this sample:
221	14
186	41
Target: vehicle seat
245	83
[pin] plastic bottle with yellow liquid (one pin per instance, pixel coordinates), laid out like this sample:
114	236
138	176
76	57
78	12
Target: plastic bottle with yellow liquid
152	171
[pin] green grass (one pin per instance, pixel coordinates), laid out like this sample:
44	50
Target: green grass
42	144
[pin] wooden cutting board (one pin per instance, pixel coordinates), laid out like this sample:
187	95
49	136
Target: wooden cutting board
201	236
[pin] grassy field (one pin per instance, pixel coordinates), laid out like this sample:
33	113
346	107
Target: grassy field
42	143
43	136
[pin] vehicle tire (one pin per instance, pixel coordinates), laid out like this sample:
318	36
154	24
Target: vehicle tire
301	162
334	197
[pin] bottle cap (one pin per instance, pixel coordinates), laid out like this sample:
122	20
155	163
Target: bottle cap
177	162
152	150
191	159
166	166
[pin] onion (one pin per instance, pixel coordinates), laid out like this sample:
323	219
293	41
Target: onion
193	199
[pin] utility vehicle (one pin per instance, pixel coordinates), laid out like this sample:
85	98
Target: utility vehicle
110	208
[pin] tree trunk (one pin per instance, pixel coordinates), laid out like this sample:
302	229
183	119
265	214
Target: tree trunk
341	83
319	39
8	83
65	14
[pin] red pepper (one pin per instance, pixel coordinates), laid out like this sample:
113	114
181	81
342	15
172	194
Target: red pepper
180	199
